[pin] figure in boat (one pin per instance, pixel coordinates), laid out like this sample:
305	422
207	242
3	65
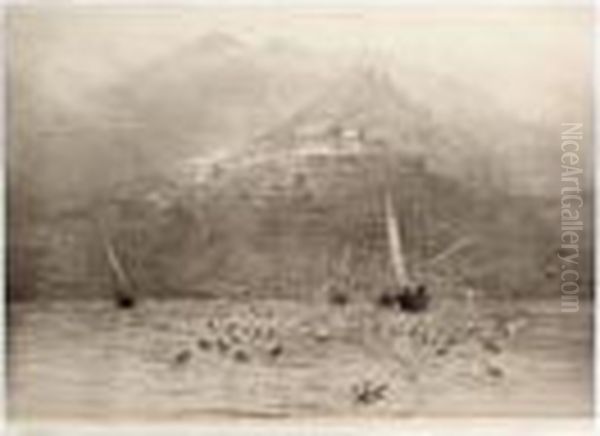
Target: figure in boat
414	300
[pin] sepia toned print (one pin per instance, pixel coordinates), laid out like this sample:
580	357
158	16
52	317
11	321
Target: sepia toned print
277	213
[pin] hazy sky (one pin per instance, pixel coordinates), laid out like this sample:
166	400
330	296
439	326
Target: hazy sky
529	59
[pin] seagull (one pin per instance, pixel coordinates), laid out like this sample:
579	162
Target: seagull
183	357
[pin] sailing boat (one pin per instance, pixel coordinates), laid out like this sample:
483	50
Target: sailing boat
409	296
123	297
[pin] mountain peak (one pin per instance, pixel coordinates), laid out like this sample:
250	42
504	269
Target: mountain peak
363	102
218	42
279	45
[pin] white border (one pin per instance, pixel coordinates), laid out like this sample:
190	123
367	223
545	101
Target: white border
546	427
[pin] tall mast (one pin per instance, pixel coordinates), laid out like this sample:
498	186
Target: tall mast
395	243
125	284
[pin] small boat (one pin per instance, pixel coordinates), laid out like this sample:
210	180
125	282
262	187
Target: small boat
123	295
411	297
414	301
124	301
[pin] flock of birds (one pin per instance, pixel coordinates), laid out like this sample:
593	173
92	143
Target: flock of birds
241	340
259	338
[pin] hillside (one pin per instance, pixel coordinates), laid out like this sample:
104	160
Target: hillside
237	169
290	225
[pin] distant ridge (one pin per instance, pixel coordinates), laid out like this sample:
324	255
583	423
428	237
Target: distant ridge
217	42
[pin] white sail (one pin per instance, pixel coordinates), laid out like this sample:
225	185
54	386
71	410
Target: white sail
113	259
395	243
